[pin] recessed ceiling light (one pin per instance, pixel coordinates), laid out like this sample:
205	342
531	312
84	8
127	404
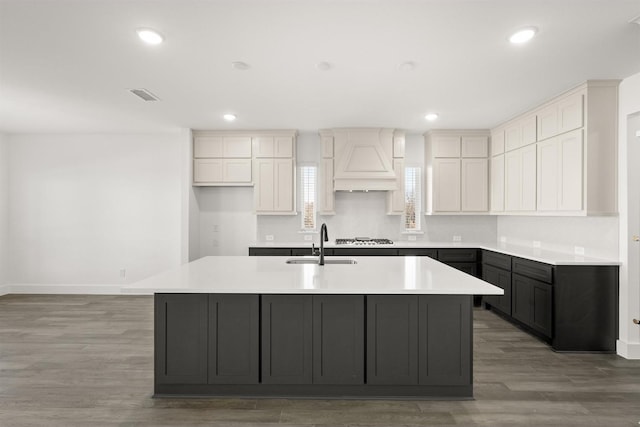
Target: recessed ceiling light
407	66
431	116
523	35
239	65
229	117
150	36
323	66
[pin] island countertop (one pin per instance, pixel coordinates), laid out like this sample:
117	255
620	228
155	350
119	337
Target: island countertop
272	275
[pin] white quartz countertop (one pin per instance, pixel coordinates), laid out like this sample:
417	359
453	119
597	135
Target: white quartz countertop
534	254
272	275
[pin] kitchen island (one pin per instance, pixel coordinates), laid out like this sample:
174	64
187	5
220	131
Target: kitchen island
258	326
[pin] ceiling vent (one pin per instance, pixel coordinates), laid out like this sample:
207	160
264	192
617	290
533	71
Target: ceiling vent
144	94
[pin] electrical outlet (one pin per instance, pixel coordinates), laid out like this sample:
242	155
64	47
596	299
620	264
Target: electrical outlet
411	238
579	250
308	237
457	238
123	273
536	243
269	237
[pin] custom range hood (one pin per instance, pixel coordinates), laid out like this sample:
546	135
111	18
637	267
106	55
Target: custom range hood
363	158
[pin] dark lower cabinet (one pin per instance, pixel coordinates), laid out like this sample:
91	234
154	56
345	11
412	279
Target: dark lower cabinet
287	339
180	338
466	267
532	303
445	340
338	339
234	327
255	251
365	251
392	339
431	253
502	279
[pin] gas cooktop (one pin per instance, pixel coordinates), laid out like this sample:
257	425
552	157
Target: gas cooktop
363	241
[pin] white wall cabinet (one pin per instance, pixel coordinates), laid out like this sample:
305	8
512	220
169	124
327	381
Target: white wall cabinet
497	183
270	147
576	155
274	187
459	180
520	180
326	191
560	170
221	160
395	198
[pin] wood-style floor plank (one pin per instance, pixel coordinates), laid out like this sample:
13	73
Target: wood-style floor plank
87	360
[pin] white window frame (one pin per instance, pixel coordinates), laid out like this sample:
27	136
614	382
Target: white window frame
415	186
303	196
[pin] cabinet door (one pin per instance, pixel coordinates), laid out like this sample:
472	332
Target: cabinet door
475	185
286	339
470	268
327	147
570	113
541	310
180	338
446	146
283	185
548	178
263	146
326	193
446	185
283	146
207	171
398	146
528	129
512	137
207	146
521	299
529	173
475	146
236	170
234	354
571	171
548	122
497	183
502	279
445	341
236	146
264	190
338	339
513	181
392	339
431	253
395	198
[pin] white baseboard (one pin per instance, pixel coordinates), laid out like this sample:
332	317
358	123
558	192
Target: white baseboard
65	289
628	350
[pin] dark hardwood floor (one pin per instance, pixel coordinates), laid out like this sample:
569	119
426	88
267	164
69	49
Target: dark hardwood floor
84	360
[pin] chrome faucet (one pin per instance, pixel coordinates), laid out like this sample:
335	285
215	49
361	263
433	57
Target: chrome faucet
324	237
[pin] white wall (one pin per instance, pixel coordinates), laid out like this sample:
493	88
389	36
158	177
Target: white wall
84	207
629	199
4	212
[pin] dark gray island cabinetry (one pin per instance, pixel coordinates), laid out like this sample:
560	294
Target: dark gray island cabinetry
313	345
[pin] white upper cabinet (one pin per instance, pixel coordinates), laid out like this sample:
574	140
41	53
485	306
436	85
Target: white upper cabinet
395	198
269	146
221	160
459	180
475	146
575	156
446	146
497	183
274	187
497	141
326	202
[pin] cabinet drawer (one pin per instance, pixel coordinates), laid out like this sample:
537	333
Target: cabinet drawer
457	255
533	269
497	260
270	251
365	252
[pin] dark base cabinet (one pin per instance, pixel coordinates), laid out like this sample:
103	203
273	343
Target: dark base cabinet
572	307
313	345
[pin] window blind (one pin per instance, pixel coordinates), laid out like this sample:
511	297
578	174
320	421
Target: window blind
412	193
308	176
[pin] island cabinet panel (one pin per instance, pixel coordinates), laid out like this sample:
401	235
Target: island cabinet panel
338	339
392	339
234	354
445	340
181	338
287	339
431	253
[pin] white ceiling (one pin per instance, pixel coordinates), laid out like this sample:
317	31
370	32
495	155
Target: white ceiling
65	66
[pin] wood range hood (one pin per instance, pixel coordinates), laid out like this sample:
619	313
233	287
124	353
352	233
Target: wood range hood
363	158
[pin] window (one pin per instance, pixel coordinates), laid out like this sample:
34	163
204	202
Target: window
412	193
308	195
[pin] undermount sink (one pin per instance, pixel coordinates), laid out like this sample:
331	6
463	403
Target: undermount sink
315	260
